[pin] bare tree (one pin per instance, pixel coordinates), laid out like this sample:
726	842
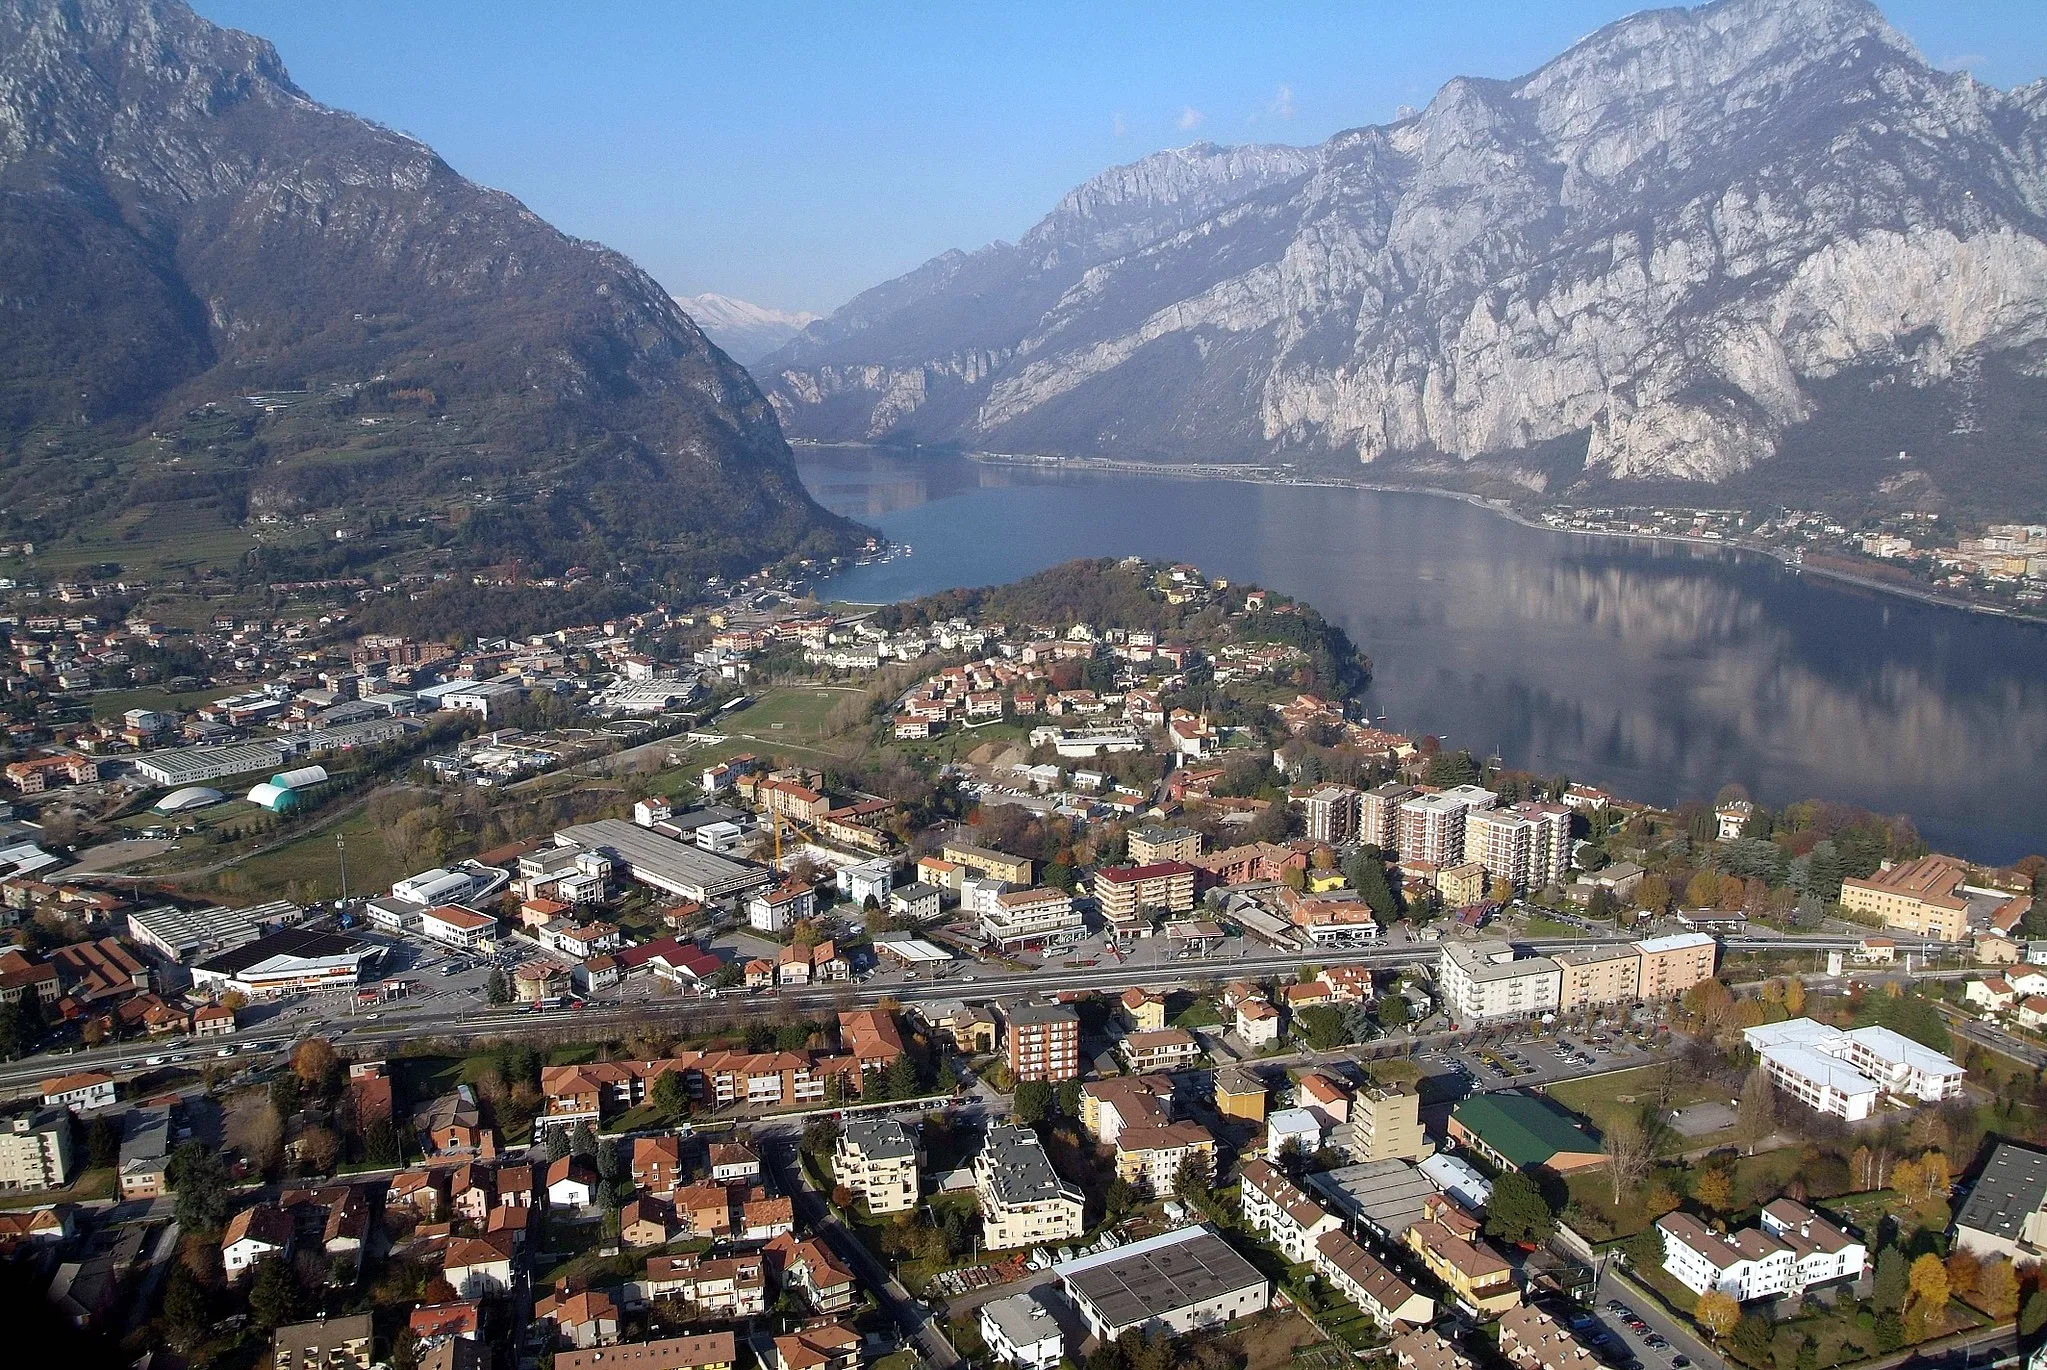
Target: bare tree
1757	1117
1628	1154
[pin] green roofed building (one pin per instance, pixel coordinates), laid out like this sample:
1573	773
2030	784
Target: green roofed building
1517	1131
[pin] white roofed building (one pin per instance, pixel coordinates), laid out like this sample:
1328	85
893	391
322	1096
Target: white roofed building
1845	1073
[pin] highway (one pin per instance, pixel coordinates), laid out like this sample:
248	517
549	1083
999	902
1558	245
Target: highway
397	1024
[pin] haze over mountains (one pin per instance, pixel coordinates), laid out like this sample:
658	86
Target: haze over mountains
1711	245
746	331
181	224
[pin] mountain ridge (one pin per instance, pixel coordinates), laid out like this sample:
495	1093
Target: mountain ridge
188	226
1642	261
746	331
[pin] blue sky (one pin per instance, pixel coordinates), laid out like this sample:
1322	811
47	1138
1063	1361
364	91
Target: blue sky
795	154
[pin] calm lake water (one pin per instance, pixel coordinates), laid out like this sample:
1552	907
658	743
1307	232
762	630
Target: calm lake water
1657	671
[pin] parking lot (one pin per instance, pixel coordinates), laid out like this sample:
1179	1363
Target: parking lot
1522	1056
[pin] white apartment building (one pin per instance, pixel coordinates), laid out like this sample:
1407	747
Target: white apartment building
35	1150
1432	825
1022	917
458	927
876	1159
1277	1209
1793	1251
1846	1072
1482	981
1528	845
1022	1333
1023	1200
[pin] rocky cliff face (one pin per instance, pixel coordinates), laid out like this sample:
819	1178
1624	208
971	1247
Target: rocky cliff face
180	223
1646	256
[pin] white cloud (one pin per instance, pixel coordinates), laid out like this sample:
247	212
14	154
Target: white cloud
1190	117
1120	125
1282	106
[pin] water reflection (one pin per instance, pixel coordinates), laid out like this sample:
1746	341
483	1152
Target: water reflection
1661	671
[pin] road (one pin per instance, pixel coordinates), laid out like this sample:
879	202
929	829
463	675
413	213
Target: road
911	1317
1983	1034
1614	1284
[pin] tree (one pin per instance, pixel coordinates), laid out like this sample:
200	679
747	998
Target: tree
1322	1027
609	1163
1518	1212
1393	1011
1893	1281
273	1294
1627	1154
21	1026
185	1314
2034	1316
198	1179
1710	1002
1752	1339
557	1143
1191	1179
1703	892
1652	894
286	1094
1794	997
496	988
1069	1098
1758	1116
1927	1282
1718	1313
1714	1187
316	1063
1032	1102
102	1143
1997	1289
319	1149
582	1141
901	1077
669	1096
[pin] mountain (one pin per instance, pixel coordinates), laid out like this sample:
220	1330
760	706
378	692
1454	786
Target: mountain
1701	245
224	300
747	331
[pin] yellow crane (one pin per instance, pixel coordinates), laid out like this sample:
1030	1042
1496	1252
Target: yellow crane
776	818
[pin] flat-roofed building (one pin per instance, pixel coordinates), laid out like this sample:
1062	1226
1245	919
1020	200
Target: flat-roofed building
1332	814
1022	1333
35	1150
1021	918
1383	1198
1154	844
1845	1072
295	961
1384	1124
1483	981
996	865
327	1344
680	868
1124	892
2006	1211
1590	976
1379	815
1178	1282
1671	965
1923	896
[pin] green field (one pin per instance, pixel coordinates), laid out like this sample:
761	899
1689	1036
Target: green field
1605	1098
311	863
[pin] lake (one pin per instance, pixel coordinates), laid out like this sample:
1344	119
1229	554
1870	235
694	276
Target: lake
1655	670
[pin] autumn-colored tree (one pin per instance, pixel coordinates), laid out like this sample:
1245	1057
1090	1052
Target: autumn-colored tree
1718	1313
1963	1269
1773	990
1659	1199
234	1001
1652	894
1323	858
1905	1179
1703	891
1714	1188
1997	1289
1757	1118
1794	996
319	1148
1710	1002
1928	1280
313	1061
1731	892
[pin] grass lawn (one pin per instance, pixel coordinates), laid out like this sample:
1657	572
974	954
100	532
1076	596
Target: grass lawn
111	704
308	866
1549	927
93	1184
1196	1012
423	1078
1605	1098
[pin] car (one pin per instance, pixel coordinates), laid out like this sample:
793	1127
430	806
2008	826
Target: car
1680	1361
226	1051
966	979
1657	1343
157	1061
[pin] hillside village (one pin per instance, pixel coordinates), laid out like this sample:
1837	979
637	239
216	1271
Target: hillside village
1103	992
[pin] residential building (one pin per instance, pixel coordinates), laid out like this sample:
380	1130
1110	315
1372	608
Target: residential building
812	1270
2006	1211
1923	896
477	1267
1258	1023
827	1346
1671	965
1021	1332
1023	1200
35	1150
1127	892
1424	1349
1042	1042
328	1344
1483	982
1748	1264
1107	1106
1448	1244
581	1317
732	1287
705	1351
1431	826
1332	814
1824	1253
1143	1009
1183	1281
1302	1128
1165	1049
1359	1276
1515	1131
1592	976
88	1089
1239	1094
1151	845
1531	1339
1275	1208
1461	885
1379	815
1010	870
1992	994
260	1230
457	926
1458	1178
876	1159
1152	1157
1031	917
1383	1124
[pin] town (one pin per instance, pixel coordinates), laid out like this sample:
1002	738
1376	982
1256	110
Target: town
1055	974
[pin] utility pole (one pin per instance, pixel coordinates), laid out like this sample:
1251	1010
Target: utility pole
341	850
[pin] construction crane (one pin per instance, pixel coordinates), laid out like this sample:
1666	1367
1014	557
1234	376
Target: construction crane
776	818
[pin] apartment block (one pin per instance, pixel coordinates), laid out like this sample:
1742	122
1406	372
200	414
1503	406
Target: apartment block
1042	1042
1923	897
876	1158
1023	1200
1672	965
1332	814
1482	981
1379	815
35	1150
1590	976
1384	1125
